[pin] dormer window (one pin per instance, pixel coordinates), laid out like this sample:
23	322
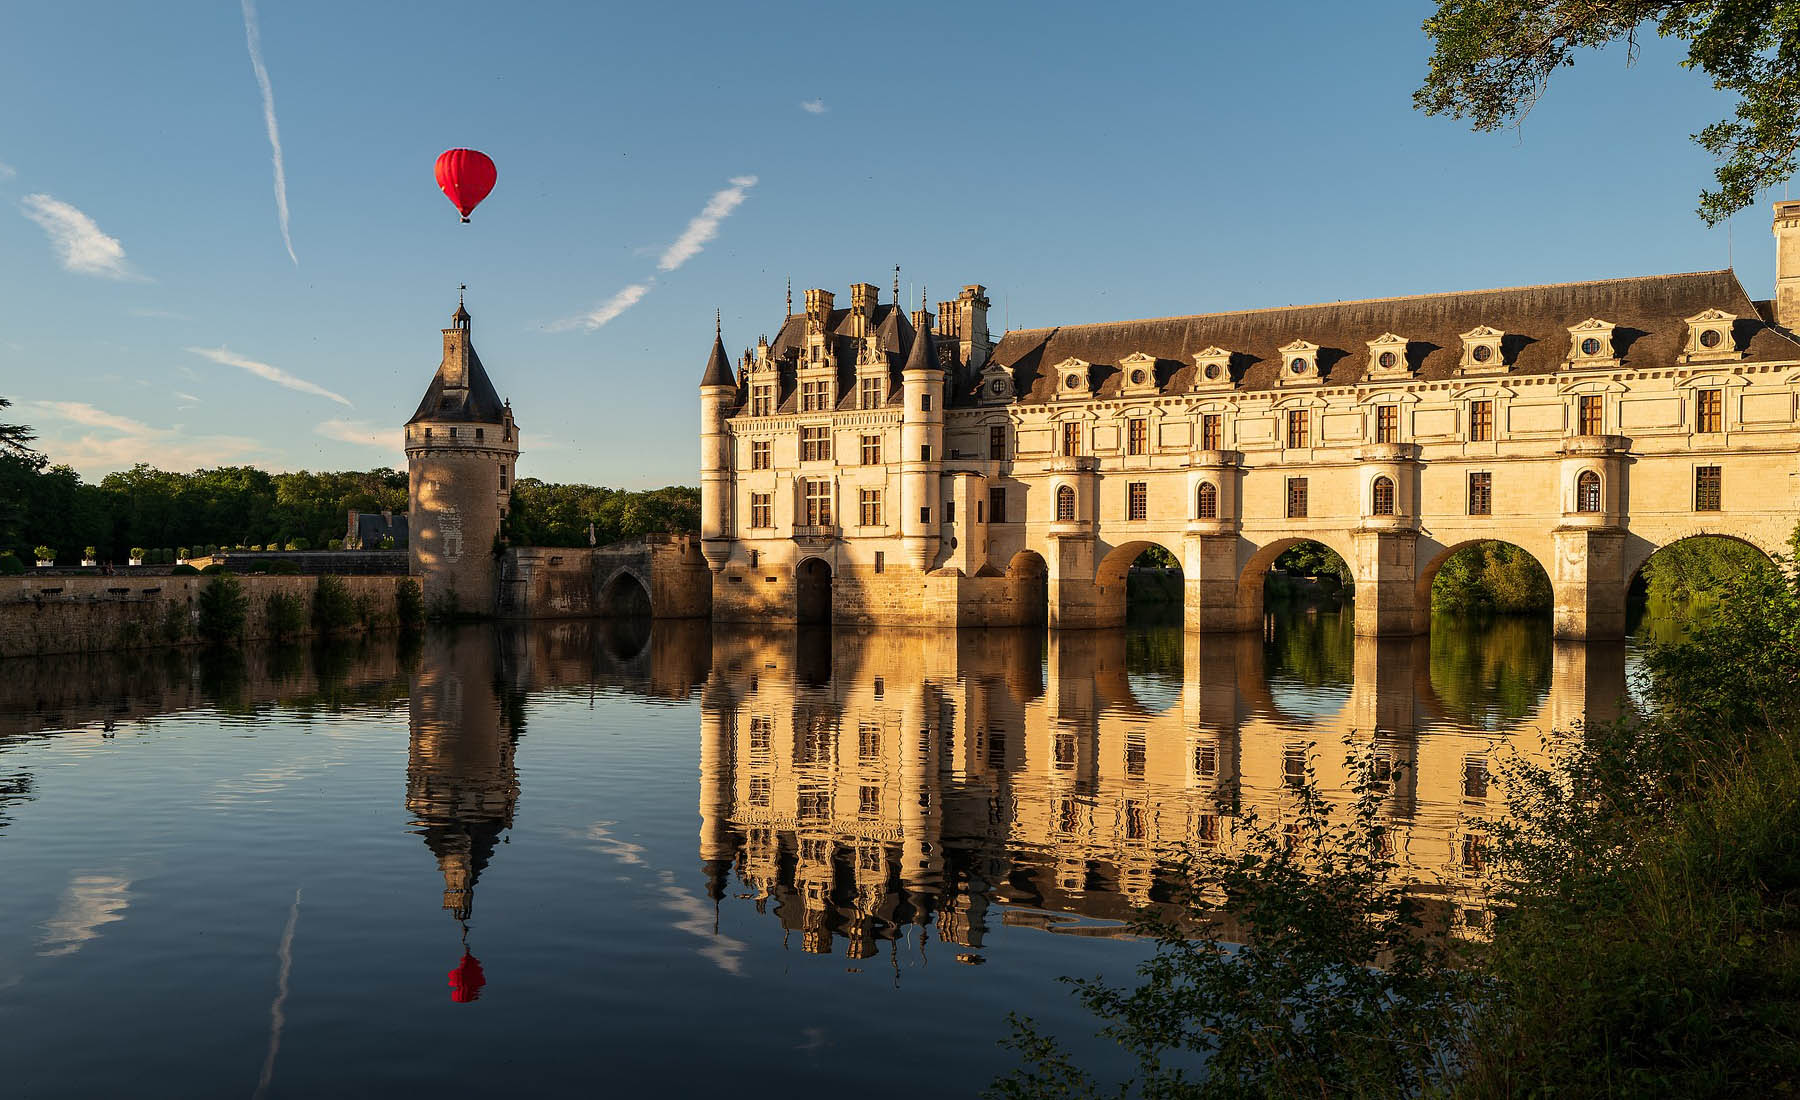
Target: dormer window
1072	378
1591	344
996	385
1299	363
1387	357
1212	369
1710	337
1482	351
1138	374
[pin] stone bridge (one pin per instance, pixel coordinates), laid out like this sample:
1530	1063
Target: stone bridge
658	576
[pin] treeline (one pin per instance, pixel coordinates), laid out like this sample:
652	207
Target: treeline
1493	577
544	514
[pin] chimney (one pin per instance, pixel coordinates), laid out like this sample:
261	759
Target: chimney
455	368
1787	263
863	297
818	309
965	321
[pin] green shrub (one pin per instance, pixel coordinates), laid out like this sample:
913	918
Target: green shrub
223	609
335	544
284	615
214	568
88	553
183	554
285	568
10	565
45	553
186	570
409	605
212	549
299	544
387	542
137	553
333	610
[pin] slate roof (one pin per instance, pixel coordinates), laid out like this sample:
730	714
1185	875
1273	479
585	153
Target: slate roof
718	365
889	321
1649	312
476	403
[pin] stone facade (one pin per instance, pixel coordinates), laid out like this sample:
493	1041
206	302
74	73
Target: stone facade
462	448
660	575
869	467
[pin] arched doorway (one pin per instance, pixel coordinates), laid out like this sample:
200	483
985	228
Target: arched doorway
625	597
1028	583
812	592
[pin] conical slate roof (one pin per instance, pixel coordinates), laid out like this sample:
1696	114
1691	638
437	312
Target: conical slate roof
718	366
923	355
477	402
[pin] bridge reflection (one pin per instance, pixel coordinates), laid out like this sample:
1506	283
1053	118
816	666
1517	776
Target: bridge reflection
856	784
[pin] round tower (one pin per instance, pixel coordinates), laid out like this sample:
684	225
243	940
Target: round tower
461	450
921	446
718	390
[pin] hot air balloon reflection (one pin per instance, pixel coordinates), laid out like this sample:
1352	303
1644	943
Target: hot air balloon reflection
467	979
465	176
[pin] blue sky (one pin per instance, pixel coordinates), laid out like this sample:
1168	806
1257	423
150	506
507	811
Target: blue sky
1085	162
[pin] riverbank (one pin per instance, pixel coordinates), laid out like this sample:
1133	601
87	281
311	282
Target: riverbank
93	614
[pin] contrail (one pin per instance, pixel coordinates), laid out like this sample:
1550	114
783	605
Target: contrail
277	1013
254	37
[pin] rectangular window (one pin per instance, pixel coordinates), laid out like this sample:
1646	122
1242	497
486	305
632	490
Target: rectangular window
762	400
925	514
1293	766
924	402
1137	436
1212	432
869	506
1709	490
1296	498
880	564
759	454
871	450
503	478
1135	756
815	444
760	511
1297	424
1711	407
815	396
949	511
996	505
872	393
1137	500
1481	421
1071	439
1481	494
1206	761
868	802
480	434
924	452
818	503
1592	414
997	441
1387	423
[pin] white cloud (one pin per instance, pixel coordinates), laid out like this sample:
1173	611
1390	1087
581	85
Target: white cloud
814	106
705	225
606	310
227	357
187	397
90	902
363	433
119	442
7	171
253	35
78	242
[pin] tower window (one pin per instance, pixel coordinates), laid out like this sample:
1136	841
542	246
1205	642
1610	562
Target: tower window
1212	432
1387	422
924	452
1137	503
1591	415
480	434
503	478
1206	506
1384	496
1587	492
1065	504
997	505
924	402
1071	439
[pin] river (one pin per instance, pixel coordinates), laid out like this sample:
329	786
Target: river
584	857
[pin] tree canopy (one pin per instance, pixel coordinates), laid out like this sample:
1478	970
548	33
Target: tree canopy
1492	60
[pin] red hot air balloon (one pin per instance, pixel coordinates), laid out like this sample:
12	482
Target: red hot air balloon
466	177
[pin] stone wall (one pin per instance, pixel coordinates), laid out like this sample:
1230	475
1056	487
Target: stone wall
896	596
551	582
40	615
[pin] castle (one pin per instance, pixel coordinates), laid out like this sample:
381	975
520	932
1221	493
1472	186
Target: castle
869	467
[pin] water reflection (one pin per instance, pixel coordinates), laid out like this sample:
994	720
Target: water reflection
856	784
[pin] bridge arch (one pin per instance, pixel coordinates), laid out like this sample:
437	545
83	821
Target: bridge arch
1028	583
1112	571
1641	551
1429	567
1250	577
626	594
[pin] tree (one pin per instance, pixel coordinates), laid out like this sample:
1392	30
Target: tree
15	439
1492	60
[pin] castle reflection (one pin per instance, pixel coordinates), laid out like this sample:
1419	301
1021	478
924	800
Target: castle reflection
856	784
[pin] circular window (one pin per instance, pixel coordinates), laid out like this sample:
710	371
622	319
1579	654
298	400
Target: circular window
1212	370
1387	359
1072	381
1710	338
1298	366
997	387
1590	346
1481	353
1137	377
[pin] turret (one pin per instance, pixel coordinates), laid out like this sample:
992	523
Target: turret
717	391
921	446
462	449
